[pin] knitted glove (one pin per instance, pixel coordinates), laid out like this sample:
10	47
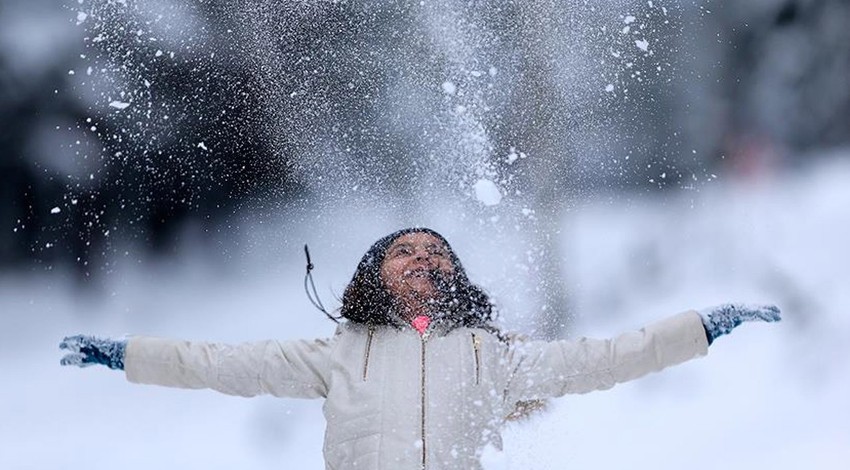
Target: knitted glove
722	319
89	350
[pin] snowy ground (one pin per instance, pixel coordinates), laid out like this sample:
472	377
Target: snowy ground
769	396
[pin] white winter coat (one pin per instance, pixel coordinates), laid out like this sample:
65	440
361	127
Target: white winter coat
395	400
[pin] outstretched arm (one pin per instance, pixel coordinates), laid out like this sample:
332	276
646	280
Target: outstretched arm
296	369
549	369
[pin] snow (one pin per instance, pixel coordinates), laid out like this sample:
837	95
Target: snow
487	193
766	396
513	156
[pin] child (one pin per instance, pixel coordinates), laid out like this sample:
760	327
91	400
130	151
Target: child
418	376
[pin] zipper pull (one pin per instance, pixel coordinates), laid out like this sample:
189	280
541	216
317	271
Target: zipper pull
368	351
476	348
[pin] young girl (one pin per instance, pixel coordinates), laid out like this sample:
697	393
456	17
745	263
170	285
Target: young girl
418	376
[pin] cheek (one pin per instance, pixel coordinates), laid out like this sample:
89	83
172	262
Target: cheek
446	266
390	273
385	276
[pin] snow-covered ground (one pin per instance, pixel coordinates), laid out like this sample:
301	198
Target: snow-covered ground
768	396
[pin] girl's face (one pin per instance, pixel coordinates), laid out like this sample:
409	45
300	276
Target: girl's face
410	264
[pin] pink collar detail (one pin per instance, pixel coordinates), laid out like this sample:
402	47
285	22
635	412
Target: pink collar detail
420	323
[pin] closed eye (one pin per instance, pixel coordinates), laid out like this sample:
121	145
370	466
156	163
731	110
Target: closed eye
402	250
436	251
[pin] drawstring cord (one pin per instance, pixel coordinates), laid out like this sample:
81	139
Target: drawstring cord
308	285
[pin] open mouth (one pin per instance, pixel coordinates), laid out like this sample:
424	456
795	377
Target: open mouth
418	274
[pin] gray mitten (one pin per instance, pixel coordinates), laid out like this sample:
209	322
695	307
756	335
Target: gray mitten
89	350
722	319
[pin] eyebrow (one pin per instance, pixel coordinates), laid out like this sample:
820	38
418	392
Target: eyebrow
400	245
410	245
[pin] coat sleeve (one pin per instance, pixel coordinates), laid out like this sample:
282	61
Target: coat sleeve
540	369
296	369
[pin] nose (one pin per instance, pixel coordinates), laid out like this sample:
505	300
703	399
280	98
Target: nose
422	254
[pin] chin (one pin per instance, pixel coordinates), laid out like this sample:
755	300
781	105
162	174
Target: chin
429	294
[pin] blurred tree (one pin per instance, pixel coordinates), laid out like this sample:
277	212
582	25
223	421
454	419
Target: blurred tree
138	143
784	81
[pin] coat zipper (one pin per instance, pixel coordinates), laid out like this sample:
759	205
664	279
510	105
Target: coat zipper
368	351
424	336
476	347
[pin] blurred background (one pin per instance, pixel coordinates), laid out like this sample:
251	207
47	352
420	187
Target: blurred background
597	165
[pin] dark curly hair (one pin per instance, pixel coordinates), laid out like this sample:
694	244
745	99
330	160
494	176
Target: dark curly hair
367	300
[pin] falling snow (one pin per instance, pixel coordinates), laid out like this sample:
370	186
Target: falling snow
487	192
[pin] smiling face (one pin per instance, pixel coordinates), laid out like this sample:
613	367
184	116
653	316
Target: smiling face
410	272
410	266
